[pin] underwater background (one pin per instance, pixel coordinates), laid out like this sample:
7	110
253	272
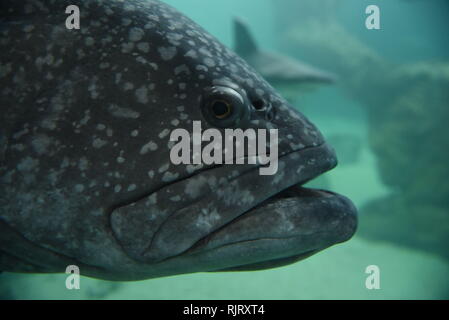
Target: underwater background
386	116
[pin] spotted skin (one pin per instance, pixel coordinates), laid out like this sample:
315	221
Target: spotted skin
85	172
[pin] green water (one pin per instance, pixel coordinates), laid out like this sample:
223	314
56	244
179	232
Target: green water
414	265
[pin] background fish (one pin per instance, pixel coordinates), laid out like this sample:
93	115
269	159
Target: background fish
285	73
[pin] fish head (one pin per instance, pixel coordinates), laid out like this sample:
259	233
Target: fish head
228	216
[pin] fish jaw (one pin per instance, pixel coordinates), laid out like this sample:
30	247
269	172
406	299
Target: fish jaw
261	216
285	231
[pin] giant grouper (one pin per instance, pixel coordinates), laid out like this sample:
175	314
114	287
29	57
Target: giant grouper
85	171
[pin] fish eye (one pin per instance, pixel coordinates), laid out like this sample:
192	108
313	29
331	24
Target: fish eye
221	109
224	106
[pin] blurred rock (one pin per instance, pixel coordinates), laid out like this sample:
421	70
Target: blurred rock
419	226
410	134
407	107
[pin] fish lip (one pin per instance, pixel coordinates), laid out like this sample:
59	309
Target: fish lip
350	222
318	194
330	163
341	204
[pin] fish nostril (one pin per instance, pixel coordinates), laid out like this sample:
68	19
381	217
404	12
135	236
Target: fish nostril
263	108
258	104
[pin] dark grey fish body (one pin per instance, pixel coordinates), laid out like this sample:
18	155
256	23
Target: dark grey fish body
85	172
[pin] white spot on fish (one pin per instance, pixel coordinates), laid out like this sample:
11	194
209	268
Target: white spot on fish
128	86
150	146
182	69
135	34
201	67
164	168
79	188
40	143
83	164
98	143
193	186
144	47
27	164
164	133
121	112
28	28
174	36
126	21
209	62
152	199
118	77
149	25
192	54
142	95
127	47
206	52
167	53
168	176
89	41
104	65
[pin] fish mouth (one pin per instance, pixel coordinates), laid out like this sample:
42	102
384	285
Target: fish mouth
287	227
246	221
293	224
